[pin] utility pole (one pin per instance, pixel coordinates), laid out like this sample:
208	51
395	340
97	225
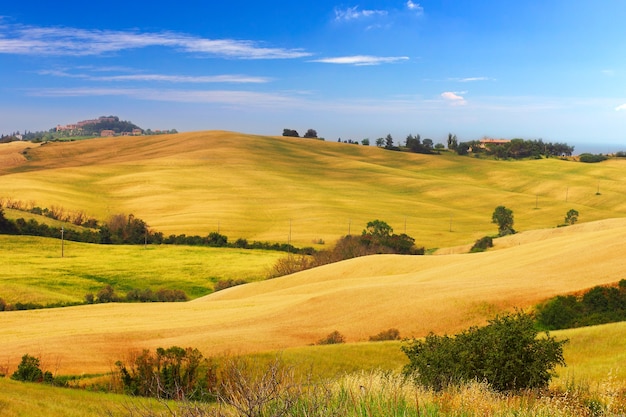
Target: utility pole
62	241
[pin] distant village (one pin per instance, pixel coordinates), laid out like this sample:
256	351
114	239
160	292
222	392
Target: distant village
104	126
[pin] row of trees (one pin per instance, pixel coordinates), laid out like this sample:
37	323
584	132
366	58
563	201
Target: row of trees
130	230
310	133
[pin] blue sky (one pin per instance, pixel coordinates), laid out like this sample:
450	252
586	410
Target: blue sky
359	69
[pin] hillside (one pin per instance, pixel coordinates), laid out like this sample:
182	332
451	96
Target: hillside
277	188
359	298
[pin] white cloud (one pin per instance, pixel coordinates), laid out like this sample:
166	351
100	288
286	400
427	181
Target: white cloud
453	98
471	79
223	97
225	78
362	60
415	7
621	107
63	41
353	13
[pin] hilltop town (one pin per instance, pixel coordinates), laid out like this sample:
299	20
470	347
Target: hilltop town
103	126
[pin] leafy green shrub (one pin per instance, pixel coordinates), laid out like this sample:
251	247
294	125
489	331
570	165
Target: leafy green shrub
332	338
29	371
482	244
506	354
591	158
597	306
173	373
390	334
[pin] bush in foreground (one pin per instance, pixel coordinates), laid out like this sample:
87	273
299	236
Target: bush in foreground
506	354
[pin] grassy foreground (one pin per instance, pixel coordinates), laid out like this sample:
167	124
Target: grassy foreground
363	377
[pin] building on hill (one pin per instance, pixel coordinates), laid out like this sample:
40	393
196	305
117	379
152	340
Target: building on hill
137	132
491	141
105	133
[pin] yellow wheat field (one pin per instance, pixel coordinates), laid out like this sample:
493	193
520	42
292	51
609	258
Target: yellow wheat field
358	297
291	189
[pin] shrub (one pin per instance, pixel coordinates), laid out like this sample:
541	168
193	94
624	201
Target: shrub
167	295
223	284
107	295
596	306
173	373
3	305
591	158
482	244
506	354
390	334
332	339
29	371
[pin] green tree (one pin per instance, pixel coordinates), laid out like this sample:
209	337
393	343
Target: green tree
506	353
311	133
378	229
571	217
452	142
29	371
388	141
291	133
380	142
6	225
503	217
365	142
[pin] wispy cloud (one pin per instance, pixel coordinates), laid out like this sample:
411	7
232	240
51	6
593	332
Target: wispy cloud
471	79
621	107
67	41
225	78
453	98
354	13
414	7
362	60
224	97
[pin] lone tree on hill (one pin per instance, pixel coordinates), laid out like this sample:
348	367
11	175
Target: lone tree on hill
571	217
503	217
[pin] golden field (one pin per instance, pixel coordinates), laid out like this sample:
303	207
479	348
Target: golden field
275	189
358	297
271	188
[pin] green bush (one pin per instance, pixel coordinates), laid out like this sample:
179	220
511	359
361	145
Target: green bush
390	334
29	371
506	354
173	373
332	338
482	244
597	306
591	158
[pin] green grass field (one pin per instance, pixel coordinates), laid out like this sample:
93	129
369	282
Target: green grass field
33	270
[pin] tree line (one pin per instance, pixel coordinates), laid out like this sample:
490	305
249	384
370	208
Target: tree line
123	229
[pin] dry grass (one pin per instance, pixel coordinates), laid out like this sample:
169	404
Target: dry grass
359	297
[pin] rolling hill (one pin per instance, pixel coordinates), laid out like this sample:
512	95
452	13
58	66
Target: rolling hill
358	297
279	189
